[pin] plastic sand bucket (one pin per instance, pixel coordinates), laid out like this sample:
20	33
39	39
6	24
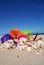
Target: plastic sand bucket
22	37
14	33
5	38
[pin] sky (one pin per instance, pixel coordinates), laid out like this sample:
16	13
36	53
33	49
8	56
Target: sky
21	14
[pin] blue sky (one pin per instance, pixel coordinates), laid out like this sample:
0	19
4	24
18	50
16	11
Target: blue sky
21	14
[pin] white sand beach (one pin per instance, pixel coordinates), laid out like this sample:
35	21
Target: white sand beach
17	57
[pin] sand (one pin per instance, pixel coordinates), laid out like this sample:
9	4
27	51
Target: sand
17	57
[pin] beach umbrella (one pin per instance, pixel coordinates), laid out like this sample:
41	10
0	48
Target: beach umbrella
14	33
5	38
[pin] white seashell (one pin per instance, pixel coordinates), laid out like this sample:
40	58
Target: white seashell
29	49
34	46
19	47
10	41
21	43
22	39
7	44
